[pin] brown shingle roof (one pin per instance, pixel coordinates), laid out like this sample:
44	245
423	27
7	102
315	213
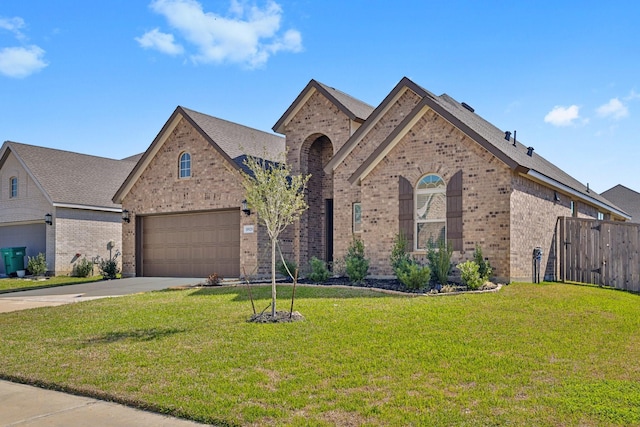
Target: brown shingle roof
72	179
626	198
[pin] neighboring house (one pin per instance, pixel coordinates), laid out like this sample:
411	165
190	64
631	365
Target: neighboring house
74	189
626	198
184	198
418	164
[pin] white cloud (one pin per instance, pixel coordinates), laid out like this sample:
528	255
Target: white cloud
563	116
614	109
14	25
632	95
21	61
155	39
249	35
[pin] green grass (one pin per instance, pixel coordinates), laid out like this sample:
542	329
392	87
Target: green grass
541	355
13	285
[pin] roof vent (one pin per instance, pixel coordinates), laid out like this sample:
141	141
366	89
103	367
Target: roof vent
507	136
468	107
530	151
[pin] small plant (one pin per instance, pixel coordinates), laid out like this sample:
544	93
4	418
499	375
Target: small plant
286	268
214	279
470	274
319	271
357	266
83	268
338	267
412	274
440	261
484	268
37	265
109	267
399	254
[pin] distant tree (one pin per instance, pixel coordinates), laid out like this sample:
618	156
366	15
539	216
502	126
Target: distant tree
277	197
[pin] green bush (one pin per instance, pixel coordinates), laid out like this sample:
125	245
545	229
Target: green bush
413	275
37	265
357	266
109	267
319	271
484	268
440	261
83	268
281	267
470	274
399	253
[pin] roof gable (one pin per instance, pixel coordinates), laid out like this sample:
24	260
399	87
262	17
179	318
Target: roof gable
69	179
626	198
232	141
353	108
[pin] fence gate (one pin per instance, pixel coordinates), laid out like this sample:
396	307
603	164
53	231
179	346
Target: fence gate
600	252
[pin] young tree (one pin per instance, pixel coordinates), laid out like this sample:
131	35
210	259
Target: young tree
278	199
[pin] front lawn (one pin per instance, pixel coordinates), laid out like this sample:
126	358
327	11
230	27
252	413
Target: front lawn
13	285
546	355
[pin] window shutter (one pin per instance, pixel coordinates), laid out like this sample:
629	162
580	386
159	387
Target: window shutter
454	211
405	209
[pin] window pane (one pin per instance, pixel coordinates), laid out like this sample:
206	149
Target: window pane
430	232
185	165
14	187
431	206
430	182
357	217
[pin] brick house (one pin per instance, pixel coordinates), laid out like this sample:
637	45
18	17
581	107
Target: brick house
184	198
74	189
419	164
429	167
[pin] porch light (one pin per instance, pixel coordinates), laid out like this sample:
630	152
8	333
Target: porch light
125	216
48	219
245	208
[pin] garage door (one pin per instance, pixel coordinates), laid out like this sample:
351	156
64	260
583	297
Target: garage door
191	245
32	236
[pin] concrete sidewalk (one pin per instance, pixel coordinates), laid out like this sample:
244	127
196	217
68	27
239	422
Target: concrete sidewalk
22	405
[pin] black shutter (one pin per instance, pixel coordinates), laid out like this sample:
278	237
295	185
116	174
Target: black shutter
405	210
454	211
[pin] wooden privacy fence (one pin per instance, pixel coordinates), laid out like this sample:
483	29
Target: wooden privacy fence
600	252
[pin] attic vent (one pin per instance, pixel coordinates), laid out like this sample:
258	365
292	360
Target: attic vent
530	151
468	107
507	136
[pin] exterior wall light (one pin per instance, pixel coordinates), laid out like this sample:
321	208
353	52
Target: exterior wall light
48	219
125	216
245	208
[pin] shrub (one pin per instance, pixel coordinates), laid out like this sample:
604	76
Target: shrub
399	252
214	279
319	271
470	274
484	268
413	275
440	261
109	267
37	265
83	268
357	266
281	267
338	268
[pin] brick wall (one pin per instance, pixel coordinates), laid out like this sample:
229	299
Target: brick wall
214	184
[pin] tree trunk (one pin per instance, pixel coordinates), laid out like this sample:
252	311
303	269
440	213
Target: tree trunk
273	278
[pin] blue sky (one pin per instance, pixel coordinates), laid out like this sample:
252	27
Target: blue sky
102	77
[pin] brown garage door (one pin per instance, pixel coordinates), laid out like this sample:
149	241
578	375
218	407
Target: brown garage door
191	245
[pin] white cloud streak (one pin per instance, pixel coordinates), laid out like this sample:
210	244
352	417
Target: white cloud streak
614	109
563	116
20	62
14	25
248	35
165	43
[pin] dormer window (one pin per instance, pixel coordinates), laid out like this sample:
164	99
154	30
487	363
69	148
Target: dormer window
13	187
185	165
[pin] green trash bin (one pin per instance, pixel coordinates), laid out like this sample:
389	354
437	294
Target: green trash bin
13	259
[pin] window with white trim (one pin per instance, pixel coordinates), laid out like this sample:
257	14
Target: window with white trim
430	211
185	165
13	187
357	217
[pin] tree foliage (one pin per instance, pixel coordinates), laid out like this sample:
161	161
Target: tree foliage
277	197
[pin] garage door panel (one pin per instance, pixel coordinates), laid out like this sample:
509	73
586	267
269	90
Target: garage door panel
192	245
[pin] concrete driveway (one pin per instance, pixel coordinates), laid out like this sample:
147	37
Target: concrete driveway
59	295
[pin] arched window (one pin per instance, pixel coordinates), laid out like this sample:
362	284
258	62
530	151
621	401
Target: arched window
430	211
185	165
13	187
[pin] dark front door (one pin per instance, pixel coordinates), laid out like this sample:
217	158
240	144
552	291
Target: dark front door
328	209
